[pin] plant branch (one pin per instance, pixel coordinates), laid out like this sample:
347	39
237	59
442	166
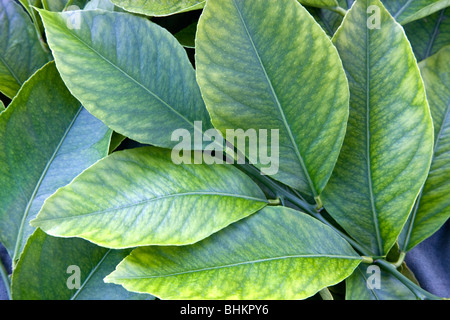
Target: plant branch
418	291
5	278
339	10
301	203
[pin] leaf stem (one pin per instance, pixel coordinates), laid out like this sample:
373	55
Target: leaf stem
339	10
418	291
45	4
301	203
6	280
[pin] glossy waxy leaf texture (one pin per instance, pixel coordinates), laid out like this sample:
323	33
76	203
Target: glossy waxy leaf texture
257	74
140	197
277	253
388	146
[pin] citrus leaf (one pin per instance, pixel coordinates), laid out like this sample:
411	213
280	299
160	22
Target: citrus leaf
388	146
429	34
159	8
277	253
405	11
46	139
375	284
45	269
432	208
21	53
320	3
140	100
142	198
255	73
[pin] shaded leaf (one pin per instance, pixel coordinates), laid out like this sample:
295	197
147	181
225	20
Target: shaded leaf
46	139
405	11
159	8
432	208
429	34
248	260
21	53
375	284
140	197
48	268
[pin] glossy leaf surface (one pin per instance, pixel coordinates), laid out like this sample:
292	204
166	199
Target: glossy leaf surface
388	146
257	74
46	139
67	269
277	253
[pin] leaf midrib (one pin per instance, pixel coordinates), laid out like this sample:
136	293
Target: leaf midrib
368	139
157	97
402	9
158	198
434	35
238	264
38	185
278	104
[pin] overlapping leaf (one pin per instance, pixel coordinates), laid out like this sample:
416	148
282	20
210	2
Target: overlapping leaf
277	253
158	7
47	265
369	282
147	88
46	139
388	146
405	11
429	34
140	197
432	208
320	3
21	53
258	74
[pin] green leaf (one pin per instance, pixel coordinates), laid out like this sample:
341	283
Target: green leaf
277	253
59	5
432	208
46	139
159	8
48	268
429	34
320	3
99	4
369	282
186	36
405	11
21	53
330	20
143	101
2	106
255	72
140	197
388	146
116	140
